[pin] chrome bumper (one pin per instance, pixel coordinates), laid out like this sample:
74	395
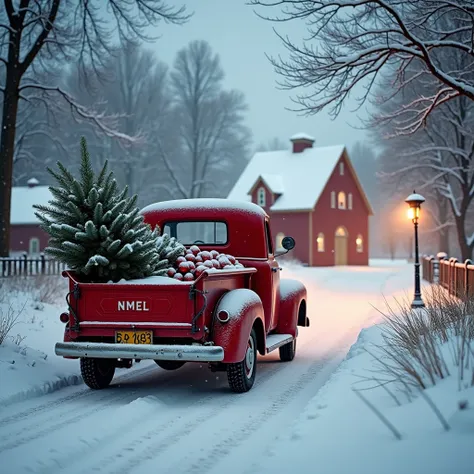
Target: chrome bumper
185	353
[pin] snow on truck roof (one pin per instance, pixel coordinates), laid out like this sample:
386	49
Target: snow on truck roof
302	176
205	204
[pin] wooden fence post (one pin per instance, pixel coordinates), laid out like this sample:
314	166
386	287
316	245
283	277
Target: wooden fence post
467	281
43	264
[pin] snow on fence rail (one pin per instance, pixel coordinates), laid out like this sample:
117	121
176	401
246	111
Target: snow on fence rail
456	277
24	265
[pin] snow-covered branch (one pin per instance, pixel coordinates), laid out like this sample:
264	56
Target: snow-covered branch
105	123
353	42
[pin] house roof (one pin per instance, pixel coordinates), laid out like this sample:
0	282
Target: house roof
23	198
274	182
303	176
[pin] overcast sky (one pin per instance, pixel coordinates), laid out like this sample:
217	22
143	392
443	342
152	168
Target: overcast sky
241	39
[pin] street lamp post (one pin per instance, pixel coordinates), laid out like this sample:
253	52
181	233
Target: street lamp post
414	202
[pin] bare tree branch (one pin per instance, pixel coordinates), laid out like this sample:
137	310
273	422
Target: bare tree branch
352	43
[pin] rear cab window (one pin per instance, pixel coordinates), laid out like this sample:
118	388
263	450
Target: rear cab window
198	232
268	236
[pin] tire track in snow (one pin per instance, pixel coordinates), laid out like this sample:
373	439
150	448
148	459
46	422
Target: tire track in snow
167	440
77	414
72	397
241	434
168	434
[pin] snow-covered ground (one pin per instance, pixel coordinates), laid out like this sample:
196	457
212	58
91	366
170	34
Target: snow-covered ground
152	420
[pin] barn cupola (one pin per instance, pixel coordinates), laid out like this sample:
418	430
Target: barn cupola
301	141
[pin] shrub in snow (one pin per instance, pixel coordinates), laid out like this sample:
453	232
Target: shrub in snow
418	342
8	316
96	230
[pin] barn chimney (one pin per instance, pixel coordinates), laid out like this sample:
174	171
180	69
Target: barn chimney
301	141
32	182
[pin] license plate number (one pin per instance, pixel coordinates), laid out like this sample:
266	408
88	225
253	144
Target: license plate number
133	337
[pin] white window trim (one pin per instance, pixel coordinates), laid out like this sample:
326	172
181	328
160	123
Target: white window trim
333	199
30	245
261	196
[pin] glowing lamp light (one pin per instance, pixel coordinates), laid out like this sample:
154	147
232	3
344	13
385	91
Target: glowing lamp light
414	202
359	241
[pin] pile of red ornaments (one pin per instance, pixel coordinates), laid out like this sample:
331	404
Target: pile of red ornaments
195	261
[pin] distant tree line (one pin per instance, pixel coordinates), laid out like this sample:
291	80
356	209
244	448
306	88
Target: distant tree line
67	71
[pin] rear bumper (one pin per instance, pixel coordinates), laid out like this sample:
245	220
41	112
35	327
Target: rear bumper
185	353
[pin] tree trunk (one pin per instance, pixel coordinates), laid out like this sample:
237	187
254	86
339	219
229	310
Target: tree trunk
466	250
7	149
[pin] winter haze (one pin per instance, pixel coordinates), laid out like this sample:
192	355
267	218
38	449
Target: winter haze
242	39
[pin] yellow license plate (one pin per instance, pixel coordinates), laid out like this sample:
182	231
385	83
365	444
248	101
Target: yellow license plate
133	337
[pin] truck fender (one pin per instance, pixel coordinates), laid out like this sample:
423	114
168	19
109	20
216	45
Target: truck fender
292	311
236	314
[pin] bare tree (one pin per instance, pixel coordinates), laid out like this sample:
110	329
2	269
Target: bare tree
213	141
275	144
35	32
352	42
136	92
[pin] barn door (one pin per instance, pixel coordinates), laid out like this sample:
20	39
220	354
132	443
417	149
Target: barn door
340	246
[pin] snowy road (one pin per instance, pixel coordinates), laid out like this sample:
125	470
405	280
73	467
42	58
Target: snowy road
188	421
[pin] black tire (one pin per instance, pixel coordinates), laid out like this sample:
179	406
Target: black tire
97	373
288	351
169	364
241	376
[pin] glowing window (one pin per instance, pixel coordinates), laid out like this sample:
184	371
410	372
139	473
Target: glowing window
349	201
320	241
360	244
341	200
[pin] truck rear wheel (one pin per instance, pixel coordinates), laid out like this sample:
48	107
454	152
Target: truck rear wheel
169	364
97	373
288	351
241	376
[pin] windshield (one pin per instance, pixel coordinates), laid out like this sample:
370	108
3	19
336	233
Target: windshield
204	233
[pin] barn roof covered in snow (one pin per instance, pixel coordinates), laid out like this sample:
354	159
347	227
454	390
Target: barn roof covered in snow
23	198
302	177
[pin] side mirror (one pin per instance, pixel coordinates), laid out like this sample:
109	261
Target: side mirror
288	243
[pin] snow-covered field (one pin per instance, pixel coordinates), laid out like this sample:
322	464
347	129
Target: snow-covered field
299	416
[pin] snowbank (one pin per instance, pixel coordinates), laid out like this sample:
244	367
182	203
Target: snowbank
26	368
337	433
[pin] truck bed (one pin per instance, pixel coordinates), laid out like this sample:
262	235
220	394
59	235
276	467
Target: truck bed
167	307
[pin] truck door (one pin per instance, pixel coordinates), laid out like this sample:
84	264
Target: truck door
275	280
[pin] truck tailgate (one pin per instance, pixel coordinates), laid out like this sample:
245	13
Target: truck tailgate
164	304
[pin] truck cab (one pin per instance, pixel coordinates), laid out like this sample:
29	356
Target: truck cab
223	318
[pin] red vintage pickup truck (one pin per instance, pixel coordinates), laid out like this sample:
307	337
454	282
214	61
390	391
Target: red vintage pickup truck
223	318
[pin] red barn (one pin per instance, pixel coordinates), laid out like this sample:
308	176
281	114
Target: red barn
314	195
26	234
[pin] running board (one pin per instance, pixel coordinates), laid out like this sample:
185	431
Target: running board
274	341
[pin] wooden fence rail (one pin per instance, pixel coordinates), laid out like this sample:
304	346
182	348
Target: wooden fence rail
24	265
456	277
